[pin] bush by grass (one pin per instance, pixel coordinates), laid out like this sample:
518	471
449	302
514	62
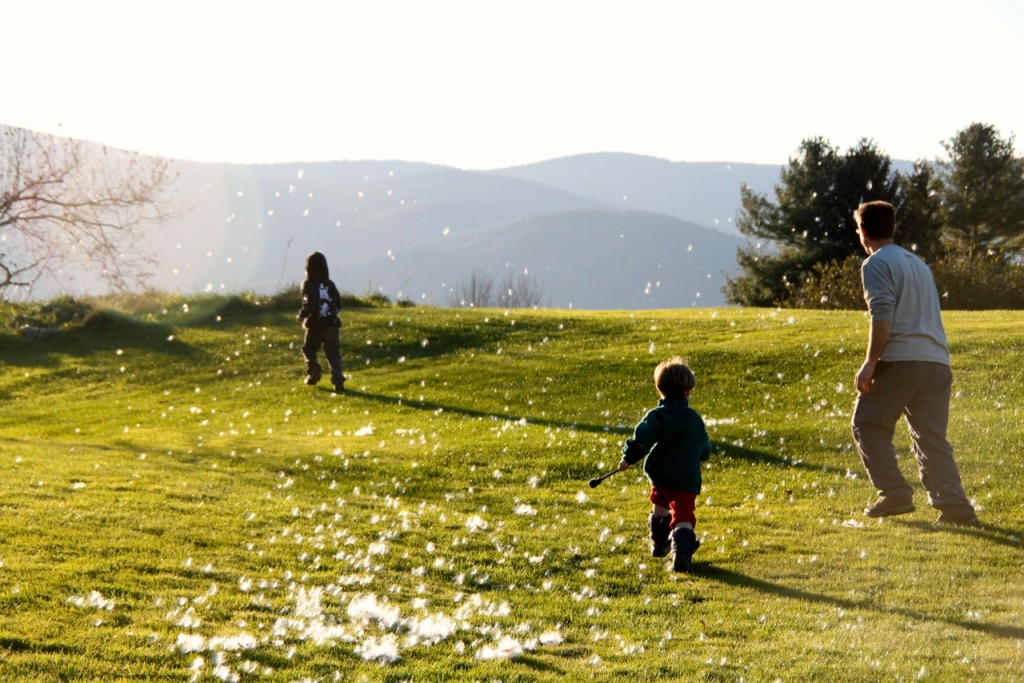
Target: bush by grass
966	281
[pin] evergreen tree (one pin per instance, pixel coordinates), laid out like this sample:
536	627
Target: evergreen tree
811	220
865	175
982	186
920	214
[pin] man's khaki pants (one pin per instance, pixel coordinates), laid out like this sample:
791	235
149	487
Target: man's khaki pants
920	391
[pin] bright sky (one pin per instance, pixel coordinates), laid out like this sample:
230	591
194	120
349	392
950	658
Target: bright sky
489	83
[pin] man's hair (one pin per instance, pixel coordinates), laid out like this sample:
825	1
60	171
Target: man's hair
673	378
877	219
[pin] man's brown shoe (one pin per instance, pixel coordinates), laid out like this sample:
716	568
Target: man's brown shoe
887	507
958	518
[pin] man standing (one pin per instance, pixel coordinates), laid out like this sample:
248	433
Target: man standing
906	372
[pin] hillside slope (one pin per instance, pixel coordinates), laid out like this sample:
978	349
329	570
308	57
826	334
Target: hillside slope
178	505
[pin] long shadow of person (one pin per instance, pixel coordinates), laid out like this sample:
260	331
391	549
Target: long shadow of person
727	576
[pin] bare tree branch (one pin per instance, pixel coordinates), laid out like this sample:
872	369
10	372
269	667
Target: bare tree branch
68	203
474	292
520	290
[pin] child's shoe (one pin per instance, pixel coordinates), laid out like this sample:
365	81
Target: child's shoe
660	543
311	380
684	544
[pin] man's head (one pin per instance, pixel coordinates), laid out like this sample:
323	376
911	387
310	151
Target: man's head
673	379
876	220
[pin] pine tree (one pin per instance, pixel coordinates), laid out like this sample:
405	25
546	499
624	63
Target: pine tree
919	226
811	220
982	186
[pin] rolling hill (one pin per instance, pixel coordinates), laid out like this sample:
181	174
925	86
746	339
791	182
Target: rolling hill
590	259
413	230
615	231
703	193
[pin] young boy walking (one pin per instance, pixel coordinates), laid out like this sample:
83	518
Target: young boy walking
319	315
673	439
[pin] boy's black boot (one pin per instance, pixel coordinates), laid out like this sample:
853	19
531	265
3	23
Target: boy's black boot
684	544
660	544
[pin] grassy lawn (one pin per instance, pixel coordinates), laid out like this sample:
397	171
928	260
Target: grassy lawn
176	505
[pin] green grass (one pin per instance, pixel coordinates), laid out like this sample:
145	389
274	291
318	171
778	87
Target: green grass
174	503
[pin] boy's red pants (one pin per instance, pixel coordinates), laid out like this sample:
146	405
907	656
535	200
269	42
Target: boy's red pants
681	503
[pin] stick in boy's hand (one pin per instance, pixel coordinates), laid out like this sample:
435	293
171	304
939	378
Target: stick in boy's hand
596	481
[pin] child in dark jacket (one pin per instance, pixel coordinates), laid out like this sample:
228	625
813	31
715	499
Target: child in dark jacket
675	442
319	315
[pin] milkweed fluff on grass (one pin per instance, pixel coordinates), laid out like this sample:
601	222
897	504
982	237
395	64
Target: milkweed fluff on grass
476	523
505	648
377	629
384	649
94	600
524	509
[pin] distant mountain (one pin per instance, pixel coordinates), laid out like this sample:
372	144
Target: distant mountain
703	193
614	231
589	259
251	226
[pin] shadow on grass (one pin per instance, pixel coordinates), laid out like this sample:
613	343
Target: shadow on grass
720	449
990	532
539	665
100	332
54	444
749	455
729	450
483	414
738	580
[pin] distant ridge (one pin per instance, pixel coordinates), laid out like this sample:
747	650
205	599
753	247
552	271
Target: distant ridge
604	230
706	193
588	259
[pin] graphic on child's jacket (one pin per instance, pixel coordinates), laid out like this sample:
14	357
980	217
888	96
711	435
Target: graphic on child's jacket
326	309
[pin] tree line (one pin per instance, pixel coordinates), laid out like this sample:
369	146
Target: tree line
964	215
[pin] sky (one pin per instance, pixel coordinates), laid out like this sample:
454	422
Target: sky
484	84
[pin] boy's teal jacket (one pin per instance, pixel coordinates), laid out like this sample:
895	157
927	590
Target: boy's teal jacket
675	442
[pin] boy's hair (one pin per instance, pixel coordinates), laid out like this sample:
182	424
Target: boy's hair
673	378
877	219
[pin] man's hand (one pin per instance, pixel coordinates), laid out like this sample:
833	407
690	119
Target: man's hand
877	339
865	376
623	466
